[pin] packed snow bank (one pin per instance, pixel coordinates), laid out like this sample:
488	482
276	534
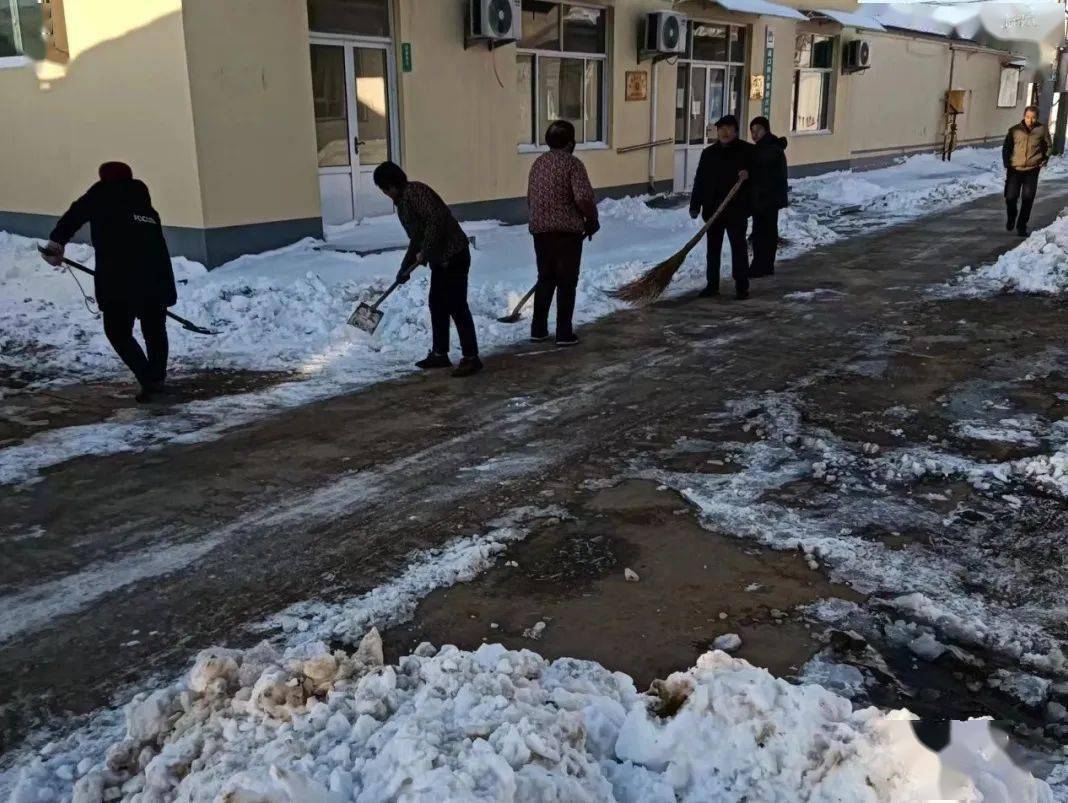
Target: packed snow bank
286	310
1038	265
315	726
917	185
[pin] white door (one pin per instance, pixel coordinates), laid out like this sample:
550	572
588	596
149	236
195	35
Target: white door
355	124
702	99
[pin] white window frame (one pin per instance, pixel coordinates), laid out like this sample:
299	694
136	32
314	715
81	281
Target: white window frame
606	82
832	86
20	59
686	60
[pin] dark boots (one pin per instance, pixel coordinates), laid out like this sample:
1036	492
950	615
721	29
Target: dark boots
434	360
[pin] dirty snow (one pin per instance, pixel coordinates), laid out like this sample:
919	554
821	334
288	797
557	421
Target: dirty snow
311	725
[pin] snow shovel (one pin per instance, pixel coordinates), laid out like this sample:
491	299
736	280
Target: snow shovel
368	316
189	325
515	315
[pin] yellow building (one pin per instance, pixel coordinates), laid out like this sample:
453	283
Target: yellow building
258	122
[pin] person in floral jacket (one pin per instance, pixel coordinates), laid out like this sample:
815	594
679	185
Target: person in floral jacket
562	211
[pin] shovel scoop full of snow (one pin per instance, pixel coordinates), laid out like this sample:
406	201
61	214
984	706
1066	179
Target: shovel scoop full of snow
366	317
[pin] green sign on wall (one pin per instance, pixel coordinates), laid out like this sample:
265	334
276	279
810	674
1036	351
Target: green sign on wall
406	57
769	63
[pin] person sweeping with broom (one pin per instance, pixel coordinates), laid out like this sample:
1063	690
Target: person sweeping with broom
134	279
722	165
437	240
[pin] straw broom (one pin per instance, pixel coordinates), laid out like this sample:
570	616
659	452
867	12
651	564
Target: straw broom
648	287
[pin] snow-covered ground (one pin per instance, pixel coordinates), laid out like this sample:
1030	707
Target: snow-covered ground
285	310
292	721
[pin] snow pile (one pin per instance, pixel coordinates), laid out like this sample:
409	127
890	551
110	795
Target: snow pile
315	726
916	185
1038	265
286	310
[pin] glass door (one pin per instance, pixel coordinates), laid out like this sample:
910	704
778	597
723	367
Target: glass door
353	91
698	89
717	100
334	128
373	144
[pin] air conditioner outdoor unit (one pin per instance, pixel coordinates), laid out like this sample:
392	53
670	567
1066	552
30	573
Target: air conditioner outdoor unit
665	33
857	55
495	21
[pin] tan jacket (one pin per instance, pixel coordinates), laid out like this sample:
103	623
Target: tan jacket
1026	148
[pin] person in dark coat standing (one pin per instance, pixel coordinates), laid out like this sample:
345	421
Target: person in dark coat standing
768	190
1025	152
562	210
722	164
134	278
435	239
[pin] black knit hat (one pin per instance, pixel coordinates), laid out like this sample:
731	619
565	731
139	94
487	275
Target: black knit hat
761	121
727	119
115	171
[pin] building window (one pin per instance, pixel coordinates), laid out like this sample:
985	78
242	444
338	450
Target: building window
813	79
21	25
358	17
1009	88
560	70
711	80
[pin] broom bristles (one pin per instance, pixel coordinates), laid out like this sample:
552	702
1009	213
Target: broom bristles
648	287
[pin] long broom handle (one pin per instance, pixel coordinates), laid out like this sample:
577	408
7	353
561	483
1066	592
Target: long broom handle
708	223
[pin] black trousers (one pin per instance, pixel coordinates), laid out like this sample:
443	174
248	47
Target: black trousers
558	255
118	327
765	242
734	227
448	301
1022	186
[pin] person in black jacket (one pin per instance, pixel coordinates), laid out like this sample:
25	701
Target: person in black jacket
722	164
134	278
767	194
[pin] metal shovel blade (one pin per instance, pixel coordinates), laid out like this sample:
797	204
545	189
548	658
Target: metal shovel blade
366	318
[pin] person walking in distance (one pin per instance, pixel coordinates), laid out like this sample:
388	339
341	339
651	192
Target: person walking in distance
562	211
435	239
768	190
722	164
1026	151
134	279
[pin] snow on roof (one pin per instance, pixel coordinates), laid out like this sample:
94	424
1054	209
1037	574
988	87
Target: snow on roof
762	7
937	20
853	19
